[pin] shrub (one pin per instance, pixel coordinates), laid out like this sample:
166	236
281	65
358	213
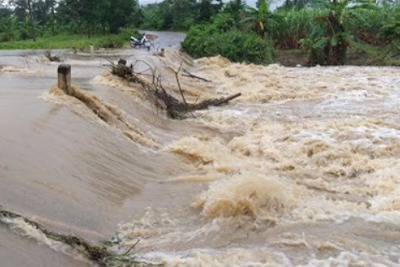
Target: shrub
368	24
391	29
110	41
293	26
222	38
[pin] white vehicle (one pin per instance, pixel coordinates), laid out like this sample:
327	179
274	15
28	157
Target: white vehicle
141	42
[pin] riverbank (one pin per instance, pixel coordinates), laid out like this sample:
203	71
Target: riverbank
63	41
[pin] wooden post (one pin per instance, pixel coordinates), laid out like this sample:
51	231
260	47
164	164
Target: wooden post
64	78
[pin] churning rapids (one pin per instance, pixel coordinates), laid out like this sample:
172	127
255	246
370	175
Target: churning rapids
303	169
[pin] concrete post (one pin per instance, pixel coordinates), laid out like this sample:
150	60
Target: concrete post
91	48
64	78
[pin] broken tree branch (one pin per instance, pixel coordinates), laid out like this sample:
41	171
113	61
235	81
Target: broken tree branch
48	55
178	82
174	107
188	74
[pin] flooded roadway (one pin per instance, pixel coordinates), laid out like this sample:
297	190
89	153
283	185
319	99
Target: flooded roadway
301	170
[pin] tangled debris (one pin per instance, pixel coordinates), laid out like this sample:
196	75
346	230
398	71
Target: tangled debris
48	55
174	107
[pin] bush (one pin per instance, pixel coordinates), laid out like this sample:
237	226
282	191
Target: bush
391	29
110	41
292	27
222	38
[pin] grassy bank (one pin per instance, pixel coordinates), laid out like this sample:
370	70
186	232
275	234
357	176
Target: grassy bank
70	41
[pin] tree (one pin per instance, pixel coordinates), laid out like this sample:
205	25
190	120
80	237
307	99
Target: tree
138	17
43	11
119	13
82	14
259	19
32	15
5	11
391	31
51	21
329	39
235	8
297	4
99	15
20	8
8	27
206	11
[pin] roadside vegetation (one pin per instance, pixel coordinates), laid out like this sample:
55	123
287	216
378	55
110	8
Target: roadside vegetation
75	41
307	32
35	24
320	32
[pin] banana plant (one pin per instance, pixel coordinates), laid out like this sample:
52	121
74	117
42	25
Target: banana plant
8	28
258	19
329	38
29	29
391	31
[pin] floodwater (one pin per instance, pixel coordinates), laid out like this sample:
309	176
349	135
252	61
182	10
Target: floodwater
301	170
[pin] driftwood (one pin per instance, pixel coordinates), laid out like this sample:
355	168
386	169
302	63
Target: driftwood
188	74
175	108
52	58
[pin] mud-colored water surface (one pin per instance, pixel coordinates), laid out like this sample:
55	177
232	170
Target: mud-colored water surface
301	170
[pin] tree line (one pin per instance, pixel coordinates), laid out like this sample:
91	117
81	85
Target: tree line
29	19
323	28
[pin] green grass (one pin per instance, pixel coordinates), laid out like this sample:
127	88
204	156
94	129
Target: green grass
69	41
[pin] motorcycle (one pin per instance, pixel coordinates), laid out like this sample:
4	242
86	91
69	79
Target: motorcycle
141	42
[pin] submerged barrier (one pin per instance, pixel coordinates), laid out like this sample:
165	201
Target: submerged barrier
64	78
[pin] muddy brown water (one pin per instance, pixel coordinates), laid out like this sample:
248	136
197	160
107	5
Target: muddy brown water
301	170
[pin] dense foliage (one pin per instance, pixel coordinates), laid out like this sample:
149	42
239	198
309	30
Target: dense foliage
323	28
222	37
330	37
30	19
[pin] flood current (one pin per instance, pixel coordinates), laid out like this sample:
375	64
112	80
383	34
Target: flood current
303	169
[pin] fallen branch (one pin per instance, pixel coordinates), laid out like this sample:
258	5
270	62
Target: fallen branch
174	107
214	102
188	74
178	82
50	57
